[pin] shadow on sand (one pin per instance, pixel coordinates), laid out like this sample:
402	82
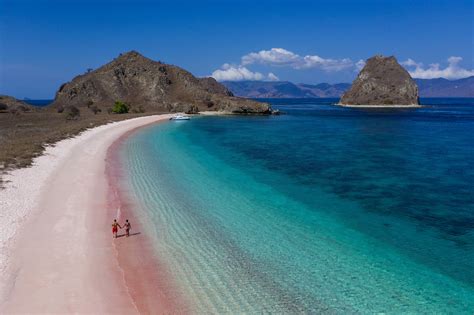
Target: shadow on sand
131	234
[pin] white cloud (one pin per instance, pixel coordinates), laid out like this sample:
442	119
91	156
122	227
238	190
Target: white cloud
272	77
274	56
286	58
452	71
280	57
326	64
240	73
410	63
359	65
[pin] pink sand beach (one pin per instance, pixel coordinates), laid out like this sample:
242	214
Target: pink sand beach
57	253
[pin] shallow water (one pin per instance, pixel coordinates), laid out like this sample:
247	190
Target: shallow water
324	209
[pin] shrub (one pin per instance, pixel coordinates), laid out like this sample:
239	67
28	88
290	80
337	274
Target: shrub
72	113
120	108
388	102
90	103
3	106
60	109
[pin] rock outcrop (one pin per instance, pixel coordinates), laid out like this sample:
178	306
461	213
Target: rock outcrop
153	86
382	82
11	104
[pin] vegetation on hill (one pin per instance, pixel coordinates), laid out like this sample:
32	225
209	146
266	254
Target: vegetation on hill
120	108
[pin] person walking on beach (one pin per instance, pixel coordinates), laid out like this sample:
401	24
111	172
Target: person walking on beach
115	227
127	227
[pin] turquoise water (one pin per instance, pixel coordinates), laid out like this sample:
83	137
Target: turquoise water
322	210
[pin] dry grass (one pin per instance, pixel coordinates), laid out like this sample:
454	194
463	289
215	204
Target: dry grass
24	136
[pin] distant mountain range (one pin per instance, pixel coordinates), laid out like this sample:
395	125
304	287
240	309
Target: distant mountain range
446	88
285	89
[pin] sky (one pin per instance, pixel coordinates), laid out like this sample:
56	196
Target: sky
46	43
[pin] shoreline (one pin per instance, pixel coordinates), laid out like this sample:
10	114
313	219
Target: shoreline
140	275
56	248
380	106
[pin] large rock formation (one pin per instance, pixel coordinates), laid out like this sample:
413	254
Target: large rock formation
382	82
153	86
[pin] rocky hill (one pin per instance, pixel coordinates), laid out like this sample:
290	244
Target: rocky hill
151	86
384	82
11	104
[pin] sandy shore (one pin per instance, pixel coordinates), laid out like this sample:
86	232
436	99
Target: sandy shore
57	254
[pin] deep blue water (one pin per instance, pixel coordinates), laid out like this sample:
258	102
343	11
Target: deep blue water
323	209
39	103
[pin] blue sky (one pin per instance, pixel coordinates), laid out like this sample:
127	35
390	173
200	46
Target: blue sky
46	43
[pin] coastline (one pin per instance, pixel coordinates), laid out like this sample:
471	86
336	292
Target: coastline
143	271
380	106
57	253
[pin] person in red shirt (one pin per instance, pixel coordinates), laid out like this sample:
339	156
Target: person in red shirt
115	227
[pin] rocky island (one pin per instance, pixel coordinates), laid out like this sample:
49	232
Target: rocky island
383	82
151	86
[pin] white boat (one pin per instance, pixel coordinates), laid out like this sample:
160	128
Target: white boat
180	117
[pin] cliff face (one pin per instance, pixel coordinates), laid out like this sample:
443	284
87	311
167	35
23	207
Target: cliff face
382	82
152	85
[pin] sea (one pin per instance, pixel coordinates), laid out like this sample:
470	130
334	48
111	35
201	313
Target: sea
37	102
322	209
